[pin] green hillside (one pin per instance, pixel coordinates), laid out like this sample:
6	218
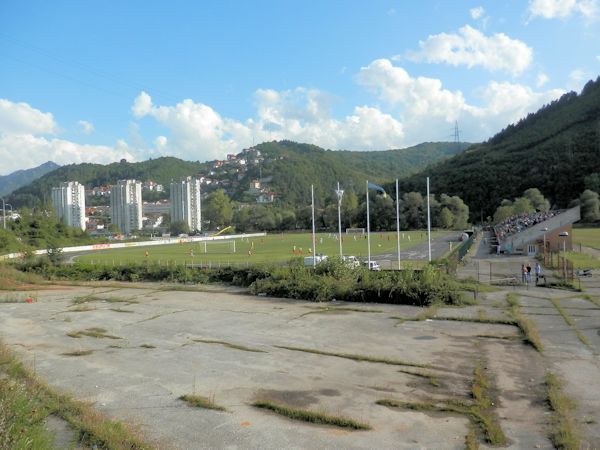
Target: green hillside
13	181
290	167
294	167
553	150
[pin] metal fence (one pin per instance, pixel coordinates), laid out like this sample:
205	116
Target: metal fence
562	266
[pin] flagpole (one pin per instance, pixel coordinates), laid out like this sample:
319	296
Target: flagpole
398	222
314	238
368	228
339	194
428	222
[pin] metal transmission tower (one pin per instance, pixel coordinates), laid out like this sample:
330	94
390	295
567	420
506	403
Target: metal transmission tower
456	135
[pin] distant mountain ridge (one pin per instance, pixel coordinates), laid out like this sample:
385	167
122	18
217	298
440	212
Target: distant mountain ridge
13	181
553	150
291	168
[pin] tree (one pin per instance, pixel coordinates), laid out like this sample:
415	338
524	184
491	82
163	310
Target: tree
218	209
413	214
179	227
446	218
536	199
349	209
592	182
459	210
590	206
522	205
241	219
288	219
503	213
330	216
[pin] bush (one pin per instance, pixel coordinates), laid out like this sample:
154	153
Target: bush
331	280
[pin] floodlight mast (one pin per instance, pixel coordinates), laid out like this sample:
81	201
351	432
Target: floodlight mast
340	193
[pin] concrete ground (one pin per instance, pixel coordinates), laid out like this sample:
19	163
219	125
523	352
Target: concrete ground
158	357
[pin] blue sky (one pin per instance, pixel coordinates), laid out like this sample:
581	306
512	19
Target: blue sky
97	81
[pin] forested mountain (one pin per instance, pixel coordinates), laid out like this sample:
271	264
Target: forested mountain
553	150
289	167
15	180
294	167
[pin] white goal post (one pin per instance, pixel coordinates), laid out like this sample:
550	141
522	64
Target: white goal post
225	246
360	231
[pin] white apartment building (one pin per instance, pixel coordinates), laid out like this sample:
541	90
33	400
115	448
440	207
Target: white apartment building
186	203
68	200
126	205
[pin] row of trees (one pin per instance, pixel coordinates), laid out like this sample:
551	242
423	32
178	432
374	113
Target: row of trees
446	212
531	201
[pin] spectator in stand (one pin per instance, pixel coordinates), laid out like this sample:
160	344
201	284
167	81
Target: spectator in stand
515	224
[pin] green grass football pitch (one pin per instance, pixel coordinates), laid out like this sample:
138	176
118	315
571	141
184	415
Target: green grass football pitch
587	237
275	247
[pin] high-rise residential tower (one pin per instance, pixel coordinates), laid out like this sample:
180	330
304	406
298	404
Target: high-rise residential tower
186	203
68	200
126	205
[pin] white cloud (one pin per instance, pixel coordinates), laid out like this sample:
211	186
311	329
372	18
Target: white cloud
86	127
22	118
512	101
477	13
577	78
198	132
428	110
24	142
19	151
420	96
541	79
470	47
560	9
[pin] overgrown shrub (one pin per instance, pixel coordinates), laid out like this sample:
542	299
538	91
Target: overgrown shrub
330	280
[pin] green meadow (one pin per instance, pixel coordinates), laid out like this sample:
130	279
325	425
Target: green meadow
276	247
587	237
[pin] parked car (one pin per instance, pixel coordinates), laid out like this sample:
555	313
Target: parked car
372	265
310	261
351	261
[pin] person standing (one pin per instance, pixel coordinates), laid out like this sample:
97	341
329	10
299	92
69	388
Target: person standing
538	272
523	273
528	273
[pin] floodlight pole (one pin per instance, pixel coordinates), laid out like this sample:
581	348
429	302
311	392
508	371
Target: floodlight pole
314	238
340	193
428	221
368	229
4	213
398	222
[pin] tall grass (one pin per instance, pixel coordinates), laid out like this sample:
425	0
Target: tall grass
25	402
311	416
564	433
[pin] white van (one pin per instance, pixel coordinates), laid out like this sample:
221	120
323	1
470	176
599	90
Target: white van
372	265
